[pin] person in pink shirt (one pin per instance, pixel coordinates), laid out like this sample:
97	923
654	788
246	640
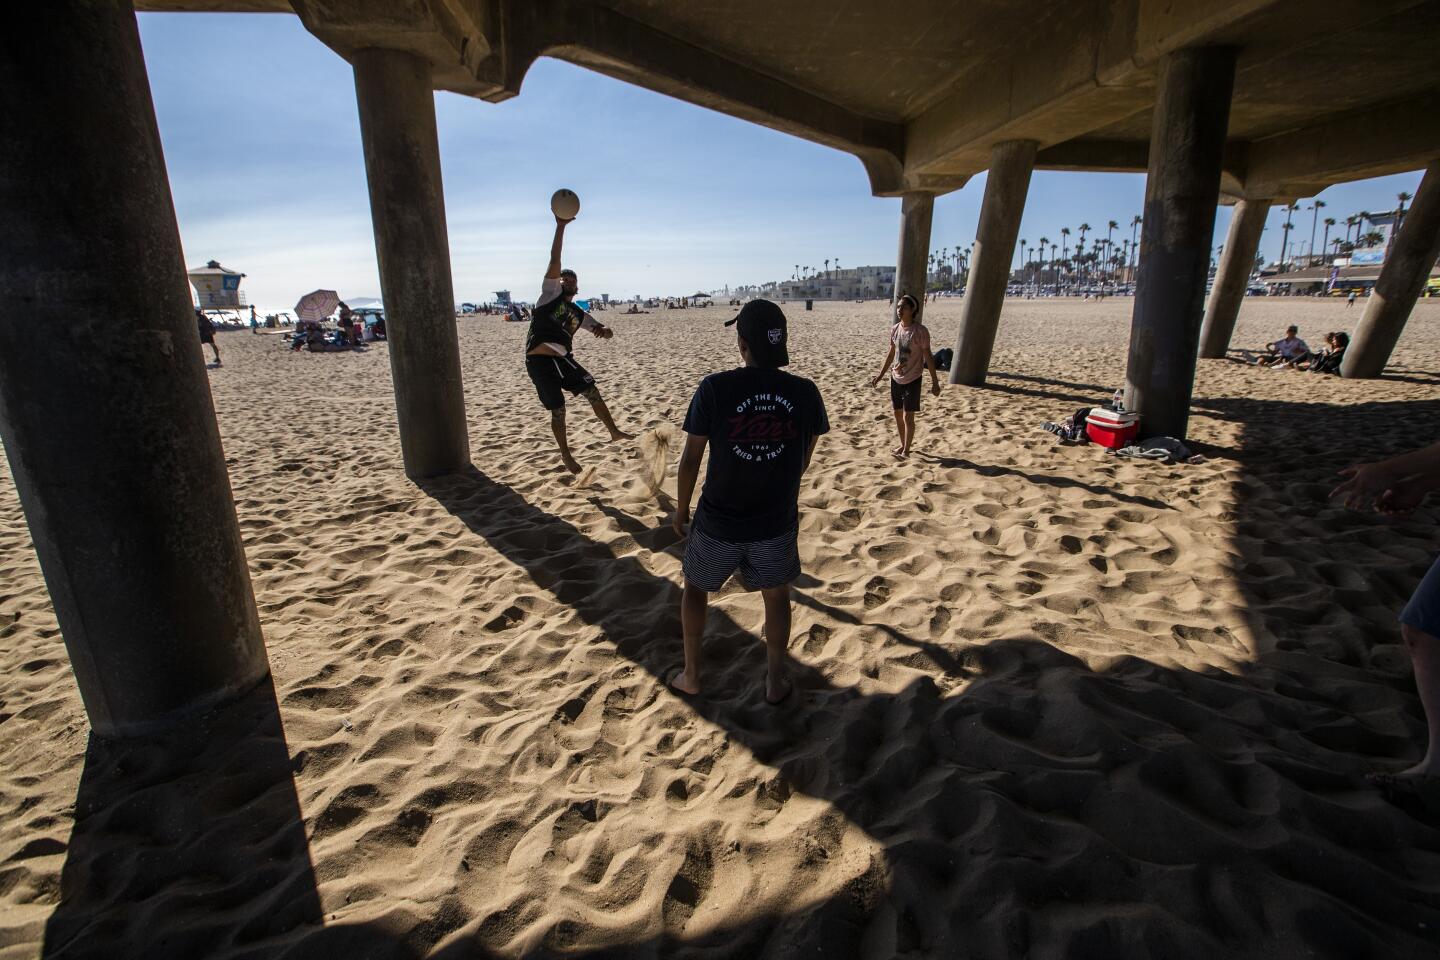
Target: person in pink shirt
910	355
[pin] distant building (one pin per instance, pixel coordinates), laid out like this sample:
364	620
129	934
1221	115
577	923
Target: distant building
217	288
851	283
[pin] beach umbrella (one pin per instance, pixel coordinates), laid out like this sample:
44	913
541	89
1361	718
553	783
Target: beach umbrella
317	305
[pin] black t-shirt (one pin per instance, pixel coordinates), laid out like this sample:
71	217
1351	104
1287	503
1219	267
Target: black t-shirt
760	423
554	319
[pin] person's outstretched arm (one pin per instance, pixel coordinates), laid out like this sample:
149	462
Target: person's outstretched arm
889	356
930	366
553	273
685	483
1396	485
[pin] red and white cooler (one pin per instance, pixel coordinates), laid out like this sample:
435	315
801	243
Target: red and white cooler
1112	428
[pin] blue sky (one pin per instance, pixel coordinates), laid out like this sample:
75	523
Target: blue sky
262	142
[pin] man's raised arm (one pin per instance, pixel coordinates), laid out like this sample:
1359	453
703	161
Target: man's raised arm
553	273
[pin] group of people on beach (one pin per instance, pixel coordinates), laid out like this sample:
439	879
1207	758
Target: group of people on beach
1291	353
760	426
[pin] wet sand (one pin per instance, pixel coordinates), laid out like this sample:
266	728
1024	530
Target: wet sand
1053	704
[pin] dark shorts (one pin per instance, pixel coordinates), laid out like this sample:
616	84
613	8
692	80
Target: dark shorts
1423	610
762	564
905	396
551	375
207	336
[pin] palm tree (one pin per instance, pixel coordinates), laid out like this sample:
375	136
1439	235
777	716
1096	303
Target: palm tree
1373	238
1402	196
1360	220
1350	221
1110	228
1044	242
827	266
1023	244
1135	222
1285	238
1314	212
1325	240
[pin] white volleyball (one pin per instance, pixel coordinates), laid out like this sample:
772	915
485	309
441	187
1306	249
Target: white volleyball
565	204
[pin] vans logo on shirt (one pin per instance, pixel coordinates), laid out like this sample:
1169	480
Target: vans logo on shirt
760	426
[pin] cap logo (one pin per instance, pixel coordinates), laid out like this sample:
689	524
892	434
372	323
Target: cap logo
775	337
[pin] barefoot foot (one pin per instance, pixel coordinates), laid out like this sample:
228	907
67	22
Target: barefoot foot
570	463
681	682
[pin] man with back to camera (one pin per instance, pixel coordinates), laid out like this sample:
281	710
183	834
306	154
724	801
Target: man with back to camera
548	359
761	425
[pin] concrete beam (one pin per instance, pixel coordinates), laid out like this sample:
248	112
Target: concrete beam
453	36
598	38
412	249
1232	277
1403	276
1353	145
105	406
1182	188
1000	215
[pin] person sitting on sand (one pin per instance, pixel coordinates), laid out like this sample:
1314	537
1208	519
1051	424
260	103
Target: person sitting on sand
1287	349
1329	359
548	359
760	425
910	350
1396	487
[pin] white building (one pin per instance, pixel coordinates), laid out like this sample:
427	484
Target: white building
851	283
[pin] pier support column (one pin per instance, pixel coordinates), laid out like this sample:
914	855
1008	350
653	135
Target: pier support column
1182	188
1232	277
412	248
913	261
1401	279
105	408
1006	184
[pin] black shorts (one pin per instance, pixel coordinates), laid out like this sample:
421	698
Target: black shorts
207	336
554	374
762	564
905	395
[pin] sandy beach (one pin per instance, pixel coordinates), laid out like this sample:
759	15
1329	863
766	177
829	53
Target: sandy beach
1053	703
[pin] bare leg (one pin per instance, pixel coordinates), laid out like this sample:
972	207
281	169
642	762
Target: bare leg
557	426
900	429
603	412
908	432
1425	656
777	643
693	602
216	351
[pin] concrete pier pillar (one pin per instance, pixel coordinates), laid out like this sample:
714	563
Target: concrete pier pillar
1182	187
105	408
1006	184
1401	279
1232	277
913	261
407	208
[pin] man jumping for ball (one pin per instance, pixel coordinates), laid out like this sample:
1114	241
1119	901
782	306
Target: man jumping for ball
548	359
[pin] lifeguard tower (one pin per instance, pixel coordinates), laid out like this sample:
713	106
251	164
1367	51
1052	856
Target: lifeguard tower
217	288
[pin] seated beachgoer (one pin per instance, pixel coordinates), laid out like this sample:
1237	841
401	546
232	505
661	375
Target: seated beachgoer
1287	349
1330	359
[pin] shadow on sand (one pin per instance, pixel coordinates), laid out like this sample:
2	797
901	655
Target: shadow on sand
1047	809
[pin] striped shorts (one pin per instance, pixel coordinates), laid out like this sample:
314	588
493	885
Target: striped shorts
762	564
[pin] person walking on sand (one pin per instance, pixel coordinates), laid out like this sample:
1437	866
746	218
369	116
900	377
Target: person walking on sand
548	358
1350	299
760	425
206	327
910	351
1395	487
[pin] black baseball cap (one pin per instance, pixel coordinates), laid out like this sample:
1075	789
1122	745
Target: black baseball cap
762	324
